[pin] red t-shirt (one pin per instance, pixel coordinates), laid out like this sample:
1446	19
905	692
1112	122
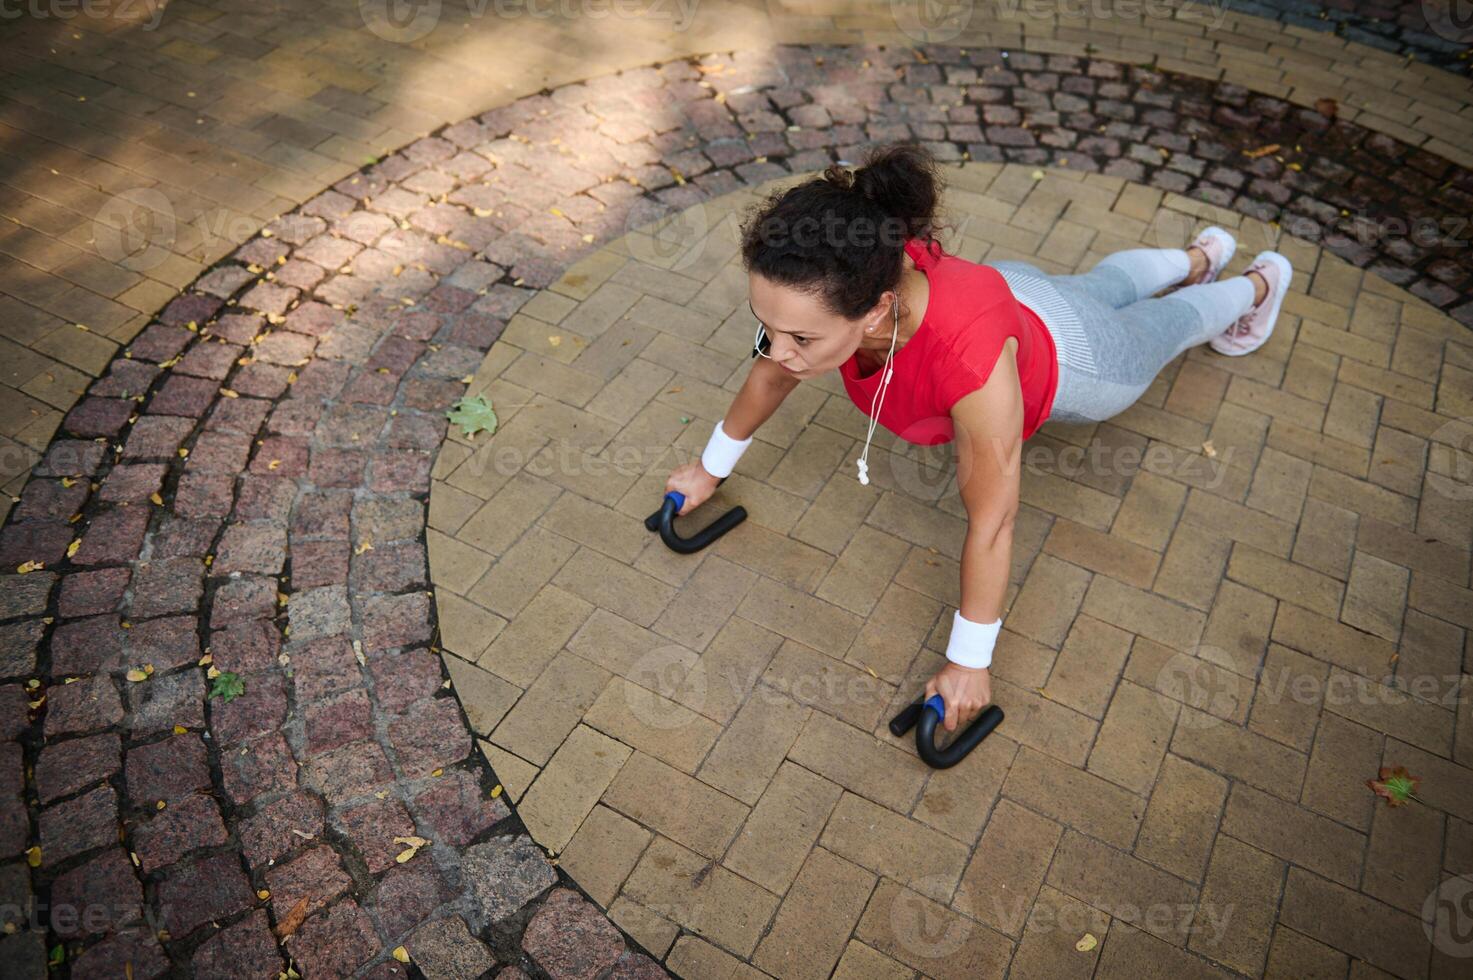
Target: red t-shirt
970	312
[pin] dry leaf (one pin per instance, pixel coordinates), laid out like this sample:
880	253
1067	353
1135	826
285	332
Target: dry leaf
1209	449
401	954
1261	151
33	856
1086	943
26	567
293	920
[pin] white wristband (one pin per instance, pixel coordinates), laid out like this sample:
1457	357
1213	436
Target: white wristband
722	452
971	643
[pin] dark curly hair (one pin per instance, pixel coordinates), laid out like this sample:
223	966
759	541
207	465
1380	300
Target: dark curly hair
841	236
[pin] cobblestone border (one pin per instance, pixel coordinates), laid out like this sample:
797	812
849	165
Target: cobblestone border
283	406
1401	28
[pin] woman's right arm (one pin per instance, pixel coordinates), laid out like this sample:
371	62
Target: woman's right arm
760	395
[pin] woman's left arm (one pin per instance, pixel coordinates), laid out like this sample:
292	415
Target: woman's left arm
988	424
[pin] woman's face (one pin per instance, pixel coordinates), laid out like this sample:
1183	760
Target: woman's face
806	339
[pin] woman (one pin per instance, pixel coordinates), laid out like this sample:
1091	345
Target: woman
845	275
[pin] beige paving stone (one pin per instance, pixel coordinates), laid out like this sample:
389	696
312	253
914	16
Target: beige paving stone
465	628
1285	580
725	674
783	827
925	935
752	748
654	932
1237	630
611	585
602	852
1290	696
832	686
1239	753
1127	888
653	724
859	762
682	886
865	567
531	641
516	774
1192	568
959	803
1133	738
485	697
1149	511
1143	613
675	805
1404	857
1330	640
861	962
812	926
1050	597
1002	878
1074	797
800	617
893	845
1093	654
1182	818
897	627
1356	923
1388	709
1375	596
551	708
569	786
521	572
702	606
1136	954
1293	954
1056	924
1130	563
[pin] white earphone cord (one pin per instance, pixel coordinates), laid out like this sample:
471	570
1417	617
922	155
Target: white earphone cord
887	371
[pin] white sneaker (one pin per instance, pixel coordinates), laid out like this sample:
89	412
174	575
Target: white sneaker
1252	330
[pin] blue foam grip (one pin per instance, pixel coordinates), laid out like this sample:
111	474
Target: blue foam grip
678	497
935	701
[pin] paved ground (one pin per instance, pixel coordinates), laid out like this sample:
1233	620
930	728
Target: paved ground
244	491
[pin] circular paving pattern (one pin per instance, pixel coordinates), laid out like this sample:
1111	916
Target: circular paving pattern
703	738
245	493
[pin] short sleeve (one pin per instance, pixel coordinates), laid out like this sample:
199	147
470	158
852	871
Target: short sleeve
974	350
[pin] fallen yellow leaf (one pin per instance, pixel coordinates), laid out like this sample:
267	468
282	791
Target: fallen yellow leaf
26	567
33	856
1086	943
401	954
71	549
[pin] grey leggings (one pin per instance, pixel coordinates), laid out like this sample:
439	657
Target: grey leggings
1122	338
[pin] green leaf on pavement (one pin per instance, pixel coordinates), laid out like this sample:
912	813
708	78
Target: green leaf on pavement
227	686
473	415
